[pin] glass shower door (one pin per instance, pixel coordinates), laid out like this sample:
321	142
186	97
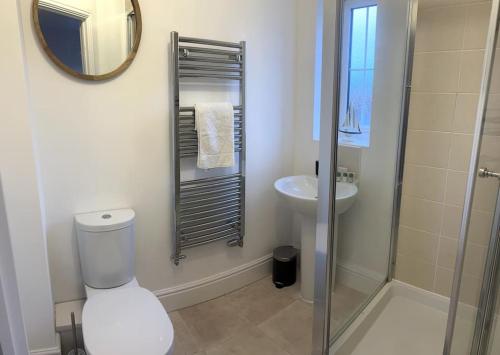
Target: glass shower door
473	324
364	94
477	327
374	50
493	343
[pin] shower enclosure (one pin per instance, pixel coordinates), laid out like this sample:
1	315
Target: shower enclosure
411	107
483	335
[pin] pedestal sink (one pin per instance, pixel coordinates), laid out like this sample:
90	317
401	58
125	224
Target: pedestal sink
301	195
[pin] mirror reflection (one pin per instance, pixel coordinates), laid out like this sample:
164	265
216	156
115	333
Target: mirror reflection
90	37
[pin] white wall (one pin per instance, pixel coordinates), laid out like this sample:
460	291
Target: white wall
111	34
21	194
306	150
106	145
12	335
365	230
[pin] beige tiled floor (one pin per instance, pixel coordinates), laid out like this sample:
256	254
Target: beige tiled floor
257	319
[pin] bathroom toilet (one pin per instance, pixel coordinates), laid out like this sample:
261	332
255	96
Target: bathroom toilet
119	317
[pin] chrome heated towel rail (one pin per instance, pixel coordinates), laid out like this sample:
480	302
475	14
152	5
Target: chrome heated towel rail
208	209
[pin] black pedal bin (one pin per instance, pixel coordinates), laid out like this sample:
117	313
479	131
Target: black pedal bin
284	266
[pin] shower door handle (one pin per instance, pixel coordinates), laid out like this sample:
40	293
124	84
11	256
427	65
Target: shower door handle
485	173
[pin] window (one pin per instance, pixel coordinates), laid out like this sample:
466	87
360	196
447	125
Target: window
62	34
358	66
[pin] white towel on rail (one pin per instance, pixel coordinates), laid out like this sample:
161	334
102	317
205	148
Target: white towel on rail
214	123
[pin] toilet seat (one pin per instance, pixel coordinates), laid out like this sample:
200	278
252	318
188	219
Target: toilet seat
128	321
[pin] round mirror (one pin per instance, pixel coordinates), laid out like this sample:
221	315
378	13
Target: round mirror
89	39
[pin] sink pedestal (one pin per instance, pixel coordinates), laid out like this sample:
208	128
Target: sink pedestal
300	193
307	255
307	252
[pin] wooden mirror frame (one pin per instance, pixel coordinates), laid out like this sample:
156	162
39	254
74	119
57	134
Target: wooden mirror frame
70	71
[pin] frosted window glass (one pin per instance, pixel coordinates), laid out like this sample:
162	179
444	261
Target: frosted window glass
356	89
368	96
358	38
372	32
361	46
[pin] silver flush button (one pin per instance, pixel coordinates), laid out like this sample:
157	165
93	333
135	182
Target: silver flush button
106	216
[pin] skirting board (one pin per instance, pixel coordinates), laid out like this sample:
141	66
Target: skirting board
56	350
357	278
214	286
184	295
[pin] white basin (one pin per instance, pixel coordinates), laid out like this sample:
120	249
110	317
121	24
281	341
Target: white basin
345	195
301	195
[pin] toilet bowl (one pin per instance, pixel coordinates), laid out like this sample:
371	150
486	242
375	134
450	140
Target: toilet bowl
119	317
126	321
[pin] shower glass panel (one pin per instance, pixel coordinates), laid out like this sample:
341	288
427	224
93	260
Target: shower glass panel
478	294
374	43
494	341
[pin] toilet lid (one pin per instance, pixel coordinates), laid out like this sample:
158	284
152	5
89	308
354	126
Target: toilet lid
126	322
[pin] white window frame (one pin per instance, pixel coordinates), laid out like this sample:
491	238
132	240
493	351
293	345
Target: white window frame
349	5
86	29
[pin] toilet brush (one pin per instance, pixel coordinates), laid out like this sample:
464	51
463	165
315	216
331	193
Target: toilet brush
76	350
